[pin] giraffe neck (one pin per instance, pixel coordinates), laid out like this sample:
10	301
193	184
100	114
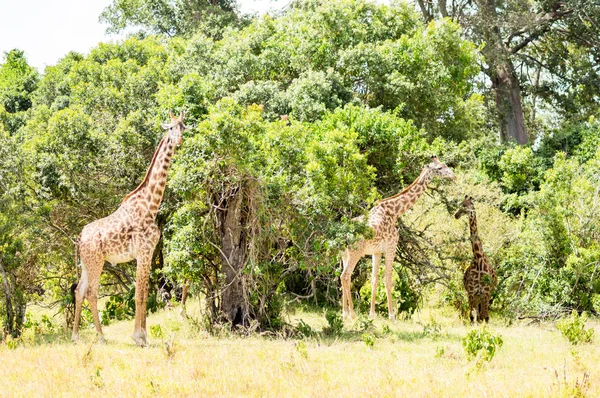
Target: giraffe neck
475	241
401	202
150	191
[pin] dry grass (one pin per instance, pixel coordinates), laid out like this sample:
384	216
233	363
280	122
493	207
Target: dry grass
534	361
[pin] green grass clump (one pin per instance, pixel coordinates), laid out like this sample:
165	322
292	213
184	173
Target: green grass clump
573	328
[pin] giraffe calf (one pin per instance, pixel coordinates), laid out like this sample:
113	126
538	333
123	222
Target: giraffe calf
480	278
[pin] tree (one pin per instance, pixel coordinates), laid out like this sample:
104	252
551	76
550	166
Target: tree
18	81
171	17
520	39
17	266
267	197
87	142
384	57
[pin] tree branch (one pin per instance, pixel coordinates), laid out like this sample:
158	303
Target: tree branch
543	24
425	11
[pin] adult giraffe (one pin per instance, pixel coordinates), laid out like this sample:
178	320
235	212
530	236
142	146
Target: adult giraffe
382	220
128	233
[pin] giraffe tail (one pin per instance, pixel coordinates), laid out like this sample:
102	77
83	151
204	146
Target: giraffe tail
74	285
76	248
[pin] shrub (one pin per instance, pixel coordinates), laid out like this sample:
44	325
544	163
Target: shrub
304	329
335	321
405	297
369	339
482	344
573	328
156	331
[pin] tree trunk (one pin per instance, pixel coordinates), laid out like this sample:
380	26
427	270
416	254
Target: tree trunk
501	71
184	292
14	321
508	103
232	228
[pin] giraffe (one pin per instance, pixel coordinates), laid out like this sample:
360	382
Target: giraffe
480	278
128	233
382	220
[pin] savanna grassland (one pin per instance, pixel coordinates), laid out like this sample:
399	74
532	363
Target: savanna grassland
419	357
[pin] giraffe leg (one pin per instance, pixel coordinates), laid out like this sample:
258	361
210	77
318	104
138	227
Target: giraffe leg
80	293
91	268
476	312
485	317
389	262
374	283
349	261
144	314
141	287
92	297
471	307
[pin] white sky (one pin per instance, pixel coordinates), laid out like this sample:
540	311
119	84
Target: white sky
48	29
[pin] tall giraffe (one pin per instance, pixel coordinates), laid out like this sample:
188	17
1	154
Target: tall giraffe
382	220
480	278
128	233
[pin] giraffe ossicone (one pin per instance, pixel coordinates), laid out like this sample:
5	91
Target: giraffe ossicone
127	234
480	278
382	220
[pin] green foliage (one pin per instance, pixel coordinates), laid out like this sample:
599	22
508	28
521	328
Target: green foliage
482	344
432	329
404	294
304	329
439	352
365	324
12	343
335	323
156	331
520	170
573	328
170	17
18	81
301	349
117	308
370	93
122	306
368	339
385	329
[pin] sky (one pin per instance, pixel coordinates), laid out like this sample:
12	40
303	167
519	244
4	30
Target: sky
48	29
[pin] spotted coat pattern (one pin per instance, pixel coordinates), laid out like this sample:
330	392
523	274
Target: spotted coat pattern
382	220
480	278
127	234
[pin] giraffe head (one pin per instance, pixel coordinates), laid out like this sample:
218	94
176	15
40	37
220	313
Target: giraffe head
176	128
466	207
439	169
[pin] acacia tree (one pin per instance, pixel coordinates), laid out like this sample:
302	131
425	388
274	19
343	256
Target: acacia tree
522	38
252	189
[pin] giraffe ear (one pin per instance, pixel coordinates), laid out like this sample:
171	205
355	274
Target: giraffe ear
180	116
171	114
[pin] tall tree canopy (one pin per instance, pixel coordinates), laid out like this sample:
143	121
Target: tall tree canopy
533	50
171	17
